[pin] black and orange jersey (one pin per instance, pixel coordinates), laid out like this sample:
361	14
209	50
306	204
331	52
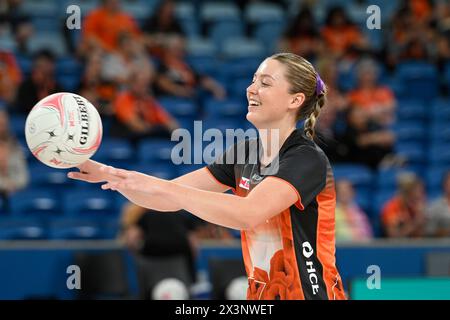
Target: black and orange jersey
291	255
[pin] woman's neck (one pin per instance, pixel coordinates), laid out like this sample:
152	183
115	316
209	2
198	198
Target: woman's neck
272	140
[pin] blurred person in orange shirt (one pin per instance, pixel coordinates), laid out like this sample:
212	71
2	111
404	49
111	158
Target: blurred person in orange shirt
103	26
403	216
351	221
378	100
10	76
138	114
340	34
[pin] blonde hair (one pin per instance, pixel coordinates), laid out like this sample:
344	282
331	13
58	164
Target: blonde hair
302	77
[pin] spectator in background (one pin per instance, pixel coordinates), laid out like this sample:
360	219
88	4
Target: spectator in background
341	35
13	167
160	25
39	84
351	221
438	215
98	91
178	79
379	101
149	234
118	65
10	76
17	24
363	141
403	216
302	37
138	114
102	27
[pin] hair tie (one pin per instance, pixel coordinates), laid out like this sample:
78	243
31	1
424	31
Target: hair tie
320	85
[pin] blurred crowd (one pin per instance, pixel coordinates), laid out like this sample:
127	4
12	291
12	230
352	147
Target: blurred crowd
127	66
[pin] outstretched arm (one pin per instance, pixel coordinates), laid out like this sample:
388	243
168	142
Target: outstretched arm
95	172
223	209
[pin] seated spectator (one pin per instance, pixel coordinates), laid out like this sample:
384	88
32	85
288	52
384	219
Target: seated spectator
13	167
438	215
17	23
10	76
39	84
363	141
178	79
138	114
351	221
302	37
117	65
102	27
152	234
98	91
161	25
341	35
403	216
379	101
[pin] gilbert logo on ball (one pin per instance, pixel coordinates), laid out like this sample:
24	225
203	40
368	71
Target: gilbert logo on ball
63	130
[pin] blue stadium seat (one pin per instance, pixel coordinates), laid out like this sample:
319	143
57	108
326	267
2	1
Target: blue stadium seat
25	64
420	79
434	176
204	65
380	200
187	168
359	175
41	8
260	12
75	228
387	178
179	107
220	11
440	132
408	110
243	48
225	108
22	229
411	131
46	24
413	152
167	171
220	32
93	203
68	66
36	201
17	125
440	111
49	178
238	88
2	206
238	68
114	152
68	82
269	33
51	40
155	150
223	124
139	10
200	47
439	154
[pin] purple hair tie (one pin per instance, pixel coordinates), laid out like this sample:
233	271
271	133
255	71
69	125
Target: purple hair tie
320	85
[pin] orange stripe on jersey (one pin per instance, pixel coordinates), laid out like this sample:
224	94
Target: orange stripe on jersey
298	203
325	245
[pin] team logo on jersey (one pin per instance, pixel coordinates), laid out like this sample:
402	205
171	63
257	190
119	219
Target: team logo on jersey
245	183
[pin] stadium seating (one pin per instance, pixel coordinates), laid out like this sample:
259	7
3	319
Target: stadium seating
92	203
36	201
23	228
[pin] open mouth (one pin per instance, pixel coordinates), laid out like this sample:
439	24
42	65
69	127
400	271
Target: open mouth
253	103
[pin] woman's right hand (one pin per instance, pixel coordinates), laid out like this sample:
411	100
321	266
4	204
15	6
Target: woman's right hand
90	172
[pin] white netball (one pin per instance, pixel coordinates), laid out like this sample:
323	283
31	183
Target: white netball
63	130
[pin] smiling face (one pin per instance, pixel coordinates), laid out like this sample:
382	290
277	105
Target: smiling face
270	104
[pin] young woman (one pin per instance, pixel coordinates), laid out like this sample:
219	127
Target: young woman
287	216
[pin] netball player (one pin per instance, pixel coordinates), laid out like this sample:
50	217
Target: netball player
286	215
